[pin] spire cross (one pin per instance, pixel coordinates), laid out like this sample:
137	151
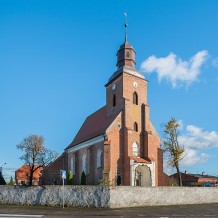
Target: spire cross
126	26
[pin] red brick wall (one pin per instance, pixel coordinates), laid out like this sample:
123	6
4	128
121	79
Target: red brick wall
163	179
107	161
212	180
118	91
93	174
187	179
123	139
51	173
114	158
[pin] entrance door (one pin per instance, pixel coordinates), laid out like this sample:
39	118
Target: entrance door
143	176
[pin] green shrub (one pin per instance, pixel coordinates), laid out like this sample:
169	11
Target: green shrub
83	179
70	178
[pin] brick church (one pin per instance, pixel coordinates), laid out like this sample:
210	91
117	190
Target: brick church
117	142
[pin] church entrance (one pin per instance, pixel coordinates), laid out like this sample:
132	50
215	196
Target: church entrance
142	176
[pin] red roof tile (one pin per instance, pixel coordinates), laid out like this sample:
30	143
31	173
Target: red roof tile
107	142
24	171
96	124
139	160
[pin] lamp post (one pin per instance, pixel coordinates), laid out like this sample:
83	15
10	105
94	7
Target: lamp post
1	167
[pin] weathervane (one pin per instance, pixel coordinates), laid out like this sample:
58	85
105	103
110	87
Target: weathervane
126	26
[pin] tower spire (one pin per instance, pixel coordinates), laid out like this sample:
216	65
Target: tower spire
126	53
126	26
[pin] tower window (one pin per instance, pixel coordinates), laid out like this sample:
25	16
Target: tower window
136	127
135	98
114	100
127	54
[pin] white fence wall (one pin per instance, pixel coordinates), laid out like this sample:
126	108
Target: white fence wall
104	197
74	196
154	196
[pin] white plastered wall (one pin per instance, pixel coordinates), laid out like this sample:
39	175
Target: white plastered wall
133	167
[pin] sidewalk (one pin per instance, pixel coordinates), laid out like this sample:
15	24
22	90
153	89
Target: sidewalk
205	210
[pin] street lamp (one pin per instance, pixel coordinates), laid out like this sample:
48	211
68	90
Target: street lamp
1	167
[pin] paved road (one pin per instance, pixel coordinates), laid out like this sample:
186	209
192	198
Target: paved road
206	210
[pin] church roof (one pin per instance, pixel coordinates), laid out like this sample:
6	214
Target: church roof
96	124
140	160
128	70
126	45
126	62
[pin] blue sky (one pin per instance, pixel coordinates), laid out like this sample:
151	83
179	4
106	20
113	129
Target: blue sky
56	57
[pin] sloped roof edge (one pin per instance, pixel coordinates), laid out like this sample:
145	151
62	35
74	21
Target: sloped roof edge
94	125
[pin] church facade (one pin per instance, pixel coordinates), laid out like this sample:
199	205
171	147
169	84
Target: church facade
118	142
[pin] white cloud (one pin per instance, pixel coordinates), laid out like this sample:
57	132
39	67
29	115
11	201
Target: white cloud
192	157
196	141
174	69
196	138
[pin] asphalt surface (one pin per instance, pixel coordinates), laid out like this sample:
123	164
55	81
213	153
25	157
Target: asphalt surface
205	210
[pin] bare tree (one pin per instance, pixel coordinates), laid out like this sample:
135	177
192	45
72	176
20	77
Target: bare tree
173	149
35	154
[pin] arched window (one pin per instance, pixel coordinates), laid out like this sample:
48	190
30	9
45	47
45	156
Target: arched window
136	127
72	165
135	98
84	163
99	158
114	100
135	149
127	54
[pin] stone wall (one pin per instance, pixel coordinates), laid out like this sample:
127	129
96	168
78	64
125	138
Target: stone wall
160	196
74	196
106	197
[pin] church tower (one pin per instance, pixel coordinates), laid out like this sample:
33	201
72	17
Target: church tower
126	91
